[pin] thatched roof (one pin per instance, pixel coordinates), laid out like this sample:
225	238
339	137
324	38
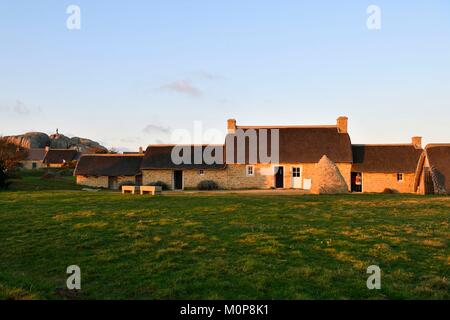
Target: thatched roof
438	157
386	158
160	157
306	144
59	156
36	154
109	165
327	179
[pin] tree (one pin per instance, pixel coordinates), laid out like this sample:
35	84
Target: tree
10	157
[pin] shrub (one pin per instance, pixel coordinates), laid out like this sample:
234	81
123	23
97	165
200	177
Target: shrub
207	185
388	191
4	179
161	184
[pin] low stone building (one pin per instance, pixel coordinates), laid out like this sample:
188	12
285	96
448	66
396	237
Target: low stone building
300	148
109	171
35	159
57	158
385	166
158	165
433	170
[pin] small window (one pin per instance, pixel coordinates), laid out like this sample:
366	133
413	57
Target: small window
250	171
399	177
296	172
201	172
34	165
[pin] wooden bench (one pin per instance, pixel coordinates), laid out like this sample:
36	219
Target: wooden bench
129	189
153	190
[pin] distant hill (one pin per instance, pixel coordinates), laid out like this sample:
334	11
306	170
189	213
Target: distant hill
31	140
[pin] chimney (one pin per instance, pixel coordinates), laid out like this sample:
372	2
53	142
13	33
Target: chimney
141	150
417	142
231	125
341	124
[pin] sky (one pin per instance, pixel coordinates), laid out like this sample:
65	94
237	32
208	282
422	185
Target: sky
136	71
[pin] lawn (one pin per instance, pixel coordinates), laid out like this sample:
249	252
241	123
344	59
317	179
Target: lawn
227	246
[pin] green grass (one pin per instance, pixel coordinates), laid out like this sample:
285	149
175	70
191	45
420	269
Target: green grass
227	246
34	180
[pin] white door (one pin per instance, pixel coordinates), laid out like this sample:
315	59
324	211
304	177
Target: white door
296	175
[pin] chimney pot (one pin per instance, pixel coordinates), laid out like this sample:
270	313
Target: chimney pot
231	125
417	142
342	124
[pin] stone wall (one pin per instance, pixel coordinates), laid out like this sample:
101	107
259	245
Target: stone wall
377	182
102	181
165	176
28	164
234	176
91	181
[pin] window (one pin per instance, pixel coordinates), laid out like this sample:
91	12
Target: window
296	172
34	165
201	172
250	171
399	177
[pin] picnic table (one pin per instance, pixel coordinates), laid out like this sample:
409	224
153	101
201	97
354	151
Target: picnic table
129	189
153	190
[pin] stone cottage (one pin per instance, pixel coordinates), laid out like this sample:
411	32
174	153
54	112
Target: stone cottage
57	158
35	159
109	171
385	166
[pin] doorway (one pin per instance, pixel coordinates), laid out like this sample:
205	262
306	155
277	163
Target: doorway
279	173
112	182
296	177
356	181
178	180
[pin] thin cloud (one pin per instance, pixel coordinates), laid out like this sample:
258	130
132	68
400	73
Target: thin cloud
209	76
183	87
21	108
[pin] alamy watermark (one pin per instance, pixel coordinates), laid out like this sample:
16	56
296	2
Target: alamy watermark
73	21
374	19
74	280
374	280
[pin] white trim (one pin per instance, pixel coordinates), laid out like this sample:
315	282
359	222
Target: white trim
301	175
253	170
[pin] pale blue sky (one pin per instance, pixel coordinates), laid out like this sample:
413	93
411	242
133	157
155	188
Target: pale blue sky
138	69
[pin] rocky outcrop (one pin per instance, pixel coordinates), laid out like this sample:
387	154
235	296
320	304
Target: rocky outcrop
55	141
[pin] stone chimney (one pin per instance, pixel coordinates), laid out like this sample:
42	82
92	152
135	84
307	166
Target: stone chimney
417	142
341	124
141	150
231	125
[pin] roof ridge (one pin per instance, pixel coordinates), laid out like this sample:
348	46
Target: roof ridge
287	127
384	144
430	145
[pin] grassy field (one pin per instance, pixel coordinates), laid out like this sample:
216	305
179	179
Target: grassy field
227	246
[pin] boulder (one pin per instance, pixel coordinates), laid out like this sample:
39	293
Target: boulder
327	179
30	140
33	140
